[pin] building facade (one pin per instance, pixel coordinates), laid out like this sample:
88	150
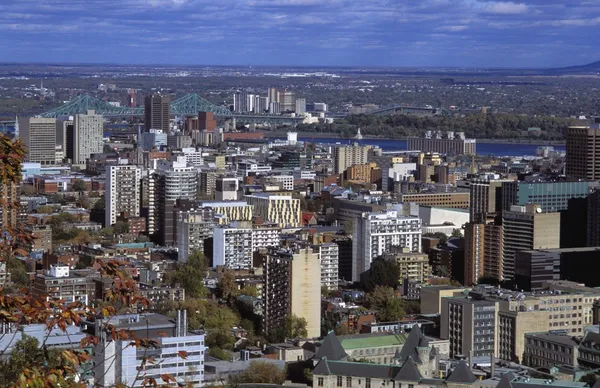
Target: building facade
87	137
583	158
550	196
329	253
157	112
232	247
39	137
122	192
348	156
282	210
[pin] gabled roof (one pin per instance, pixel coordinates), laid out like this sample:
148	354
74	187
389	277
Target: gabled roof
409	371
354	369
505	380
331	348
322	368
462	374
409	349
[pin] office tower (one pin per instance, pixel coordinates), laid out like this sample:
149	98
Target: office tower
250	102
282	210
261	104
226	188
39	137
206	121
240	102
62	126
300	106
194	227
593	219
273	95
208	184
157	112
179	141
274	108
232	247
154	139
483	252
452	199
292	287
470	325
583	158
525	228
550	196
115	362
485	198
122	192
84	137
190	156
287	100
448	143
329	253
171	181
347	156
376	233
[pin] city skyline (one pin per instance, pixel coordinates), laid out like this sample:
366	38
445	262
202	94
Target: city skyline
434	33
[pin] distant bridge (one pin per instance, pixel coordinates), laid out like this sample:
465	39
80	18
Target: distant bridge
404	109
188	105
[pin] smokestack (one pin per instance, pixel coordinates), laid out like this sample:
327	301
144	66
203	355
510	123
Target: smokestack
493	365
178	324
185	323
470	361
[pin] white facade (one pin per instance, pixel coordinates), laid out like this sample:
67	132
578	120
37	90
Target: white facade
292	138
265	236
400	171
305	175
232	247
287	181
122	192
247	166
154	138
329	265
226	189
192	157
439	215
376	233
88	134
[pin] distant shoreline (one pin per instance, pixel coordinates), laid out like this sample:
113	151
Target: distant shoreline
324	135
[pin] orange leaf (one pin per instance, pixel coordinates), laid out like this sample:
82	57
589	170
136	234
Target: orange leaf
183	354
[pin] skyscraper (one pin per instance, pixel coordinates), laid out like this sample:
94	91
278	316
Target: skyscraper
287	101
348	156
300	106
122	192
485	198
39	136
85	137
483	252
157	112
550	196
583	151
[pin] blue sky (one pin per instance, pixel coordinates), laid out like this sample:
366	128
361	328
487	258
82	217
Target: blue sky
469	33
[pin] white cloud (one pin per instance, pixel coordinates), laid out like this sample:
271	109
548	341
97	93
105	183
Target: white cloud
506	8
453	28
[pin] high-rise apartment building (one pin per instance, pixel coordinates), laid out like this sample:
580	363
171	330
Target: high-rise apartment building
550	196
273	95
194	227
347	156
240	102
261	104
483	252
282	210
414	266
583	151
292	287
287	101
485	198
232	247
330	260
39	137
122	192
300	106
157	112
84	137
525	228
376	233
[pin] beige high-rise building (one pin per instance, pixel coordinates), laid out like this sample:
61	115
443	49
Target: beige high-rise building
483	252
347	156
292	286
414	266
122	192
512	329
280	209
85	137
39	136
583	151
525	228
157	112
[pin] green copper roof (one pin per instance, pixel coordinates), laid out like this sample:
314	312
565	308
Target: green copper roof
371	341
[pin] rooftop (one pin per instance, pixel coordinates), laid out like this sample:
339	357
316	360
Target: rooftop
359	341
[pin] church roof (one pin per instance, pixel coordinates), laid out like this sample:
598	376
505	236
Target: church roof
409	371
331	348
462	374
415	339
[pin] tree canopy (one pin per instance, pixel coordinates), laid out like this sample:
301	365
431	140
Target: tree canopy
385	273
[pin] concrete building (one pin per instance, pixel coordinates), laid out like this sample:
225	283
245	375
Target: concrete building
226	188
347	156
85	137
8	195
39	137
232	247
470	325
287	100
122	192
525	228
550	196
157	113
60	282
329	254
192	156
265	236
458	199
483	252
589	354
583	160
194	227
292	287
116	362
300	106
154	139
448	143
545	350
376	233
208	184
282	210
414	266
485	198
179	141
431	297
512	329
229	210
42	237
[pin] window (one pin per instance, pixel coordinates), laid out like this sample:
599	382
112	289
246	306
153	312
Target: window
339	381
348	382
367	382
320	382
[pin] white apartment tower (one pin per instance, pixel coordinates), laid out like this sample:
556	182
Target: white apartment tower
376	233
232	247
330	259
122	192
86	139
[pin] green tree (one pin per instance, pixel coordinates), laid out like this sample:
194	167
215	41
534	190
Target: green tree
79	185
191	275
120	227
45	209
391	311
249	291
379	297
228	287
384	273
27	353
457	233
261	372
295	327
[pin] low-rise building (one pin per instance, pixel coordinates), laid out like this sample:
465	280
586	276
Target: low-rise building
545	350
